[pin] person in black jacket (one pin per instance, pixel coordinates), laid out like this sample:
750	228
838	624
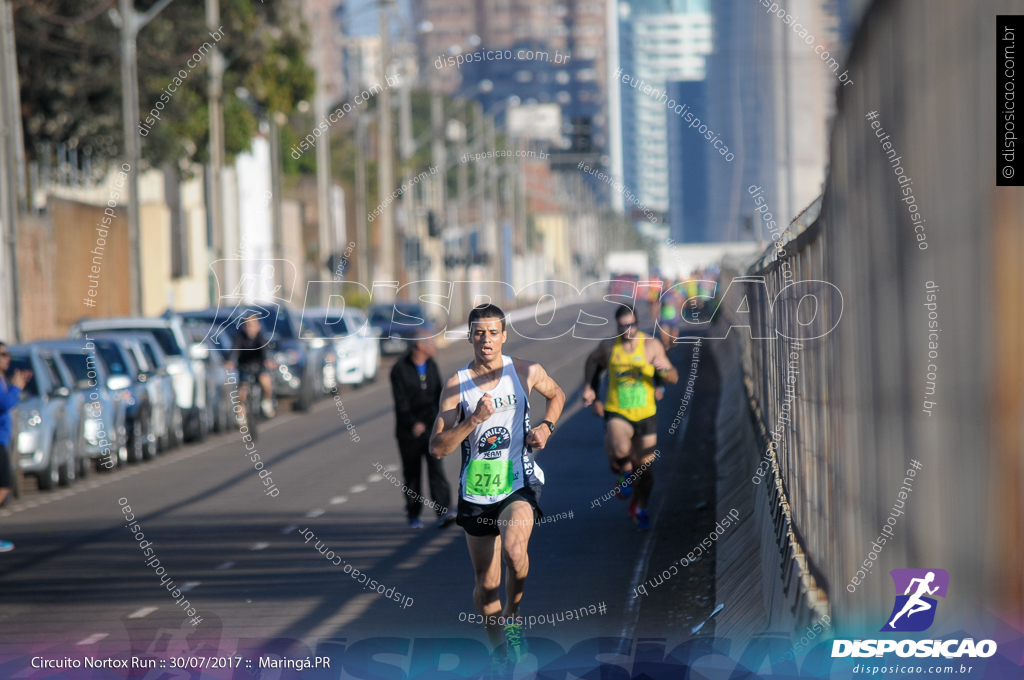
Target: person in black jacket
416	385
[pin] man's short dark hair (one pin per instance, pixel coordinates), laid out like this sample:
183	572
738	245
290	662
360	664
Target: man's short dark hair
487	311
621	312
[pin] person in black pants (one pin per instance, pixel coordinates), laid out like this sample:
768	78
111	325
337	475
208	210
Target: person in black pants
416	385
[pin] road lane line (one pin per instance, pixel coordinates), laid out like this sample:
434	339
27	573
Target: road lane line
375	477
290	528
430	549
189	586
261	546
140	613
358	488
226	565
92	639
314	513
632	613
339	499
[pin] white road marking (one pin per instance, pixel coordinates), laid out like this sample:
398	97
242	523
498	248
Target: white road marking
375	477
92	639
339	499
145	611
226	565
188	586
314	513
290	528
632	612
261	546
392	468
358	488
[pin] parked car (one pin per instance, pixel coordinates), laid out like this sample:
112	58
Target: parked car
104	431
397	323
168	422
322	339
218	401
298	372
74	412
186	367
46	442
124	382
356	344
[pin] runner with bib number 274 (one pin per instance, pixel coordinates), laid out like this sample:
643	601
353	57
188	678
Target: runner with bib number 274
485	411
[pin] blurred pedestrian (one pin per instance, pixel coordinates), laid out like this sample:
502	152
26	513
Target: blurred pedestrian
416	385
10	395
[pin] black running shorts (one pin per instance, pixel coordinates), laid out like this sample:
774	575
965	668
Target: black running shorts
6	481
640	427
482	520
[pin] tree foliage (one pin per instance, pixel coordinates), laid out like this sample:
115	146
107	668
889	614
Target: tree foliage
70	74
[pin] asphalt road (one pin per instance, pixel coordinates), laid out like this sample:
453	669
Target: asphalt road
78	583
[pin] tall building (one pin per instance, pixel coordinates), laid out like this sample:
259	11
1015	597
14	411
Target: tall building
770	95
657	47
568	28
688	156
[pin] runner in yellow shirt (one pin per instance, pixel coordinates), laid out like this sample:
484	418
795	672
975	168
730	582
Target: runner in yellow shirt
633	360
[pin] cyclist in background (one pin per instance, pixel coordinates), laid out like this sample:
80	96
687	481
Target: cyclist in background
249	353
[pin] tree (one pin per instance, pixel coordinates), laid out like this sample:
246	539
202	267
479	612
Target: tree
68	64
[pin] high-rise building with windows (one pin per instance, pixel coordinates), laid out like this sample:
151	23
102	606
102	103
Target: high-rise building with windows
660	43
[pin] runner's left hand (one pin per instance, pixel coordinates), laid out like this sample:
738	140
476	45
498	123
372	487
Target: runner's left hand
661	364
538	437
659	392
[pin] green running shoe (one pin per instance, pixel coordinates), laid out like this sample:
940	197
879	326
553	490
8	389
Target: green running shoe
515	643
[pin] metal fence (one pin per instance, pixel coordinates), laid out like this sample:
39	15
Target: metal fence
862	414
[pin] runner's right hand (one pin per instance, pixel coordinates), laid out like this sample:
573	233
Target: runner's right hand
484	409
589	395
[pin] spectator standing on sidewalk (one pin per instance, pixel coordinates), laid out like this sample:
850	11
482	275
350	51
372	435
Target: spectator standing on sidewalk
10	395
416	386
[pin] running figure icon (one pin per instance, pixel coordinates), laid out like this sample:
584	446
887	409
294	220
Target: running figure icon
915	604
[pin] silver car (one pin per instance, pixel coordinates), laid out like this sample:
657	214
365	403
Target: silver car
104	427
46	443
166	415
183	364
356	345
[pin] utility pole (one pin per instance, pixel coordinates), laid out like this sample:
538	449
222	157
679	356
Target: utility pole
214	93
277	119
406	149
131	23
362	261
384	234
10	141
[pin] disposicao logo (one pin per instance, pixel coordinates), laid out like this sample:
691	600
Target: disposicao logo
923	582
914	611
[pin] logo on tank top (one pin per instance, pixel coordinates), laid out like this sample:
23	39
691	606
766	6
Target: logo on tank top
505	403
493	442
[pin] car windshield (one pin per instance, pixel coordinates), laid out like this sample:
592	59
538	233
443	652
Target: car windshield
209	325
78	364
381	314
336	324
151	356
113	359
165	336
22	363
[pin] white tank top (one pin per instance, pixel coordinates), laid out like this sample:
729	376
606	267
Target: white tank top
495	458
